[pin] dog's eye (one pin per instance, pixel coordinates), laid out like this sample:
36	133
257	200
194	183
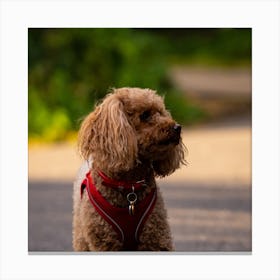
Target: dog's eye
145	115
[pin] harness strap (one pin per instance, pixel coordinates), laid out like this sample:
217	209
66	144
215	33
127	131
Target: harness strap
127	185
127	227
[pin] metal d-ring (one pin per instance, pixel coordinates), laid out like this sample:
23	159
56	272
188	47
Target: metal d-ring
131	198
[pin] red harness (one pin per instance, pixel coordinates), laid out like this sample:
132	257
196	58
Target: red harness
127	226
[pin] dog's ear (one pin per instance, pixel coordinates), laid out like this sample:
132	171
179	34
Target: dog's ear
170	161
107	137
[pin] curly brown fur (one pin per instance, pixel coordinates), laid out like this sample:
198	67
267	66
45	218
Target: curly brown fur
129	136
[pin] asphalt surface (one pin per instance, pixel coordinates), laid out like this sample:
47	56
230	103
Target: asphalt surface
49	216
214	82
204	218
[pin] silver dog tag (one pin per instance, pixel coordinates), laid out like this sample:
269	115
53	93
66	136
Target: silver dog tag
131	198
131	210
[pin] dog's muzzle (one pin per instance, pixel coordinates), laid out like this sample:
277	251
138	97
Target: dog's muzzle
177	128
174	135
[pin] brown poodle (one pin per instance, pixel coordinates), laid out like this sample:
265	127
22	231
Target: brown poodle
127	141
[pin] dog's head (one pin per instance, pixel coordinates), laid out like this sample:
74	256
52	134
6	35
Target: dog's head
131	126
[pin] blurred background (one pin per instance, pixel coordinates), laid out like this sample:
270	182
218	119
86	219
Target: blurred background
205	77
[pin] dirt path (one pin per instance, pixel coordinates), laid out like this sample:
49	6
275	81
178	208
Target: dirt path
218	152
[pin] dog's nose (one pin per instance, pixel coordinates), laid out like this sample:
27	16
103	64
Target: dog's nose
177	128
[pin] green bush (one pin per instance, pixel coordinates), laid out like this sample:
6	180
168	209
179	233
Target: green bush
207	46
182	110
70	69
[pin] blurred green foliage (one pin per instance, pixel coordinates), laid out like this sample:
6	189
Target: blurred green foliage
70	69
208	46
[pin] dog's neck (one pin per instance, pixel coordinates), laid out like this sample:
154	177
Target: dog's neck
138	173
141	171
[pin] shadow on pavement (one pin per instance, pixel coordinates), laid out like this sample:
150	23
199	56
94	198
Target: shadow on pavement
49	216
203	218
209	218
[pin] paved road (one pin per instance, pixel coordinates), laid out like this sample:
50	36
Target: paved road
202	217
213	82
209	202
49	216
